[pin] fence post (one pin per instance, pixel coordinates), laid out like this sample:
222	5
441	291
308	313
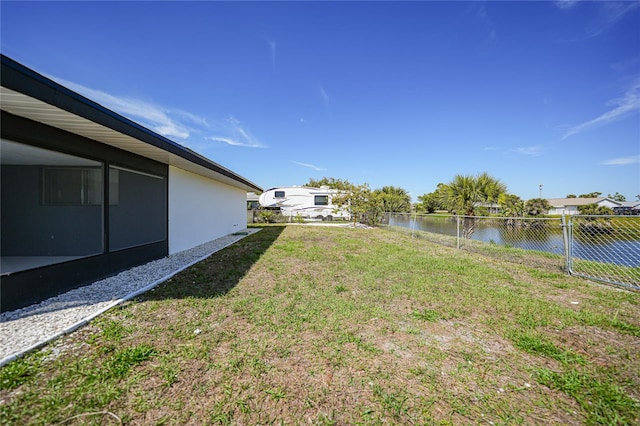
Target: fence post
413	225
458	231
567	244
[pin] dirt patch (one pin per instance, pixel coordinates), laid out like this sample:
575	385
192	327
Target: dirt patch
606	349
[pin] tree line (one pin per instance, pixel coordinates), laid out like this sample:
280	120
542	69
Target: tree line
465	195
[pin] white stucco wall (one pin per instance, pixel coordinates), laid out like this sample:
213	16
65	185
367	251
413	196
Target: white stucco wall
566	210
571	209
608	203
202	209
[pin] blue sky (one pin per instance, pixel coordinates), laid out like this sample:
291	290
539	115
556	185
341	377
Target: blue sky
386	93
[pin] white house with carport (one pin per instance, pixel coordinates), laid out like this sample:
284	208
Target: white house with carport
569	206
87	193
628	208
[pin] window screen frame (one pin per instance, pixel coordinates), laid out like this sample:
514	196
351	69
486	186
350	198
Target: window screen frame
86	191
324	203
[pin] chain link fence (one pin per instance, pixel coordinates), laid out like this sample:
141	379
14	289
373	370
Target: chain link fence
604	248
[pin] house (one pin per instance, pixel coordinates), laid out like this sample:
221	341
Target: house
252	201
628	208
86	192
567	206
491	208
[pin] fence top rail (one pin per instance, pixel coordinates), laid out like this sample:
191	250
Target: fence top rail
482	217
607	216
510	218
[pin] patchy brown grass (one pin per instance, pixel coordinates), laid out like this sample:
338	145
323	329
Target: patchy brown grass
347	326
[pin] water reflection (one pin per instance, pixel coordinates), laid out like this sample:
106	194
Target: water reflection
541	235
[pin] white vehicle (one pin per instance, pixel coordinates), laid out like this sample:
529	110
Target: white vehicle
303	201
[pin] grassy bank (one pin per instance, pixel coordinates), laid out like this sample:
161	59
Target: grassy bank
327	325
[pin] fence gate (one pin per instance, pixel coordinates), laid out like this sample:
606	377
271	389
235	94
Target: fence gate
605	248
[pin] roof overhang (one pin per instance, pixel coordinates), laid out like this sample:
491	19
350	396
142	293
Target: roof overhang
28	94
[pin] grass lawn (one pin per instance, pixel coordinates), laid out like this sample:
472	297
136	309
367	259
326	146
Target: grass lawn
321	325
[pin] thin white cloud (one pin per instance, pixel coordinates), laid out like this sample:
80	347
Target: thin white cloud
487	34
622	161
271	44
228	141
324	96
622	107
608	14
532	151
233	132
310	166
161	120
566	4
193	118
611	14
171	123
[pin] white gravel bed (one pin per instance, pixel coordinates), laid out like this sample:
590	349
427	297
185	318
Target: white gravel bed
26	329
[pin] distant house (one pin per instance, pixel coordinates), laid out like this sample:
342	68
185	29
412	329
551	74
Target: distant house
252	201
568	206
628	208
492	208
86	193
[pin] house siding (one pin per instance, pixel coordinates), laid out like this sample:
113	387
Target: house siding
202	209
564	210
154	197
570	206
31	228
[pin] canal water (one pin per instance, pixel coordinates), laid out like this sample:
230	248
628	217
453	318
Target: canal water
548	239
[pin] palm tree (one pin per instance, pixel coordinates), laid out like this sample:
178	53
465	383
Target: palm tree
465	194
490	188
459	195
394	199
511	205
537	207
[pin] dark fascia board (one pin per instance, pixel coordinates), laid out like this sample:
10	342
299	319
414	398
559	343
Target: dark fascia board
19	78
